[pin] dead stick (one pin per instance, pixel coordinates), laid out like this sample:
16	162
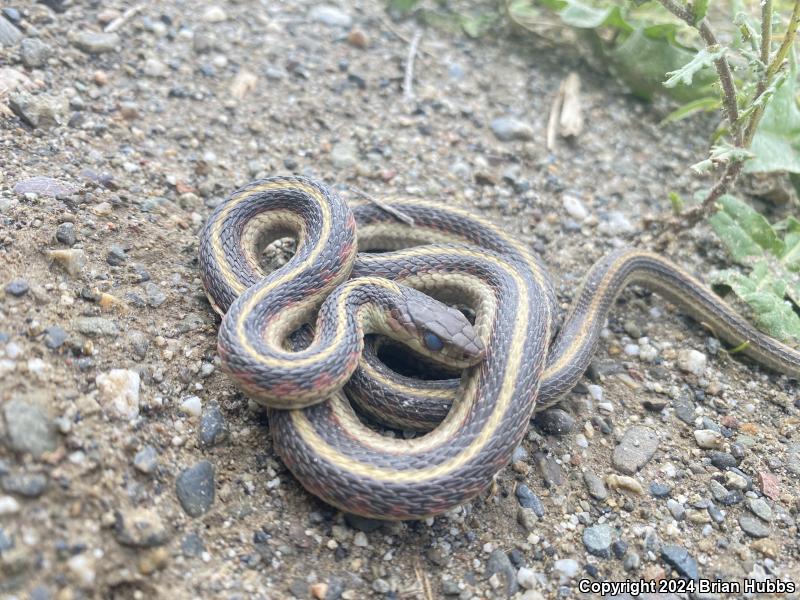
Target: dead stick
408	81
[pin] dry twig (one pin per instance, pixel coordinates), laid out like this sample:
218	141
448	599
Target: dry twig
399	214
408	80
123	18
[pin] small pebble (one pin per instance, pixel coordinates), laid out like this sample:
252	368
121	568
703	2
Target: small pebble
595	485
753	526
195	488
555	421
213	430
192	406
146	460
17	287
692	361
598	538
679	559
760	508
708	439
65	234
507	129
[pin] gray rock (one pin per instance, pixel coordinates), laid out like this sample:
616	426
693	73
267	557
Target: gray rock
793	458
684	409
760	508
34	52
28	428
40	111
555	421
597	489
527	518
54	337
155	296
6	541
676	509
17	287
140	528
146	460
192	545
718	491
500	565
753	526
722	460
95	326
330	15
715	513
30	485
637	447
632	561
660	490
507	129
527	499
598	539
344	154
615	223
116	256
96	43
680	560
9	34
44	186
212	426
65	233
195	488
139	343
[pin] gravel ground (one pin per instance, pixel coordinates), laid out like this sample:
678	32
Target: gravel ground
129	465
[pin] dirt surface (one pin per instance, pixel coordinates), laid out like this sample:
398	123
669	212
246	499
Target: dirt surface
117	426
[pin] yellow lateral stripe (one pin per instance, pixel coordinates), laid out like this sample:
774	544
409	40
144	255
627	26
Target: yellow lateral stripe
443	432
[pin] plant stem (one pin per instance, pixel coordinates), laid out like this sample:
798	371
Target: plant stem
788	40
766	35
764	79
694	215
721	64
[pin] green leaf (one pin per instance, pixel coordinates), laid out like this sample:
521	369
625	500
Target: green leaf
744	231
721	153
707	104
583	16
699	10
676	202
641	61
765	295
701	60
403	6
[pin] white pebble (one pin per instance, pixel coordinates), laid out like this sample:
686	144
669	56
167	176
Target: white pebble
692	361
192	406
13	350
631	349
647	353
82	567
574	207
526	578
8	506
360	539
568	567
596	392
119	392
708	438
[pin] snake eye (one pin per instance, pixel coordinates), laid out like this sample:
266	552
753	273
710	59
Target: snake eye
432	341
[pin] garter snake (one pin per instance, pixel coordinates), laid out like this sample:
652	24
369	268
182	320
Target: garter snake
331	452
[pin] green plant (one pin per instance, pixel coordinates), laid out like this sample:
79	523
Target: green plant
772	286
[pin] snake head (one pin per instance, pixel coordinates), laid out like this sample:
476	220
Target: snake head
439	331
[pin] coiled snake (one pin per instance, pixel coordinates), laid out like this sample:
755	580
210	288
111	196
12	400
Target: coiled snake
510	366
